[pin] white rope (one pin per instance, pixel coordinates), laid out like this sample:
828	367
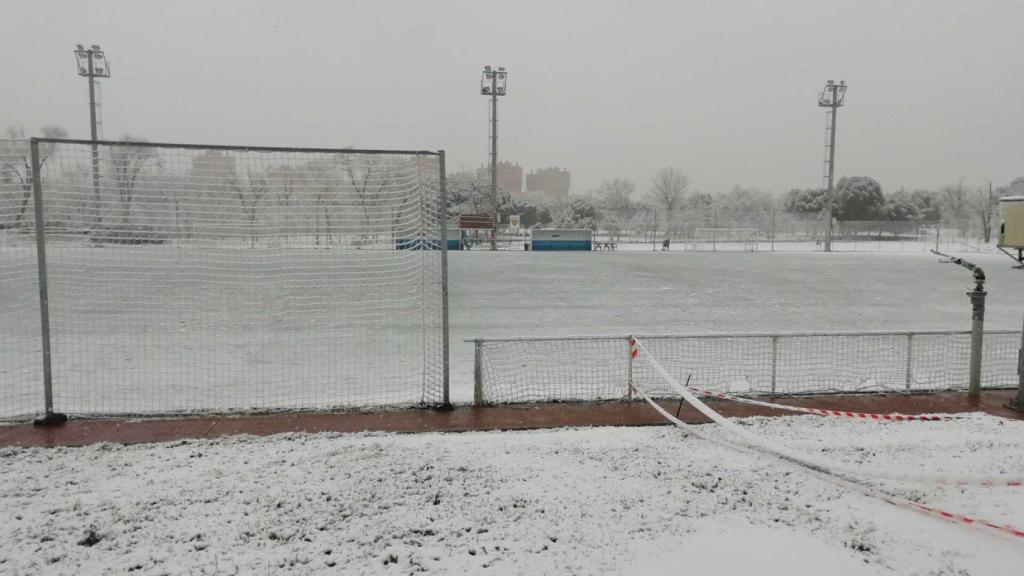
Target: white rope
836	478
822	464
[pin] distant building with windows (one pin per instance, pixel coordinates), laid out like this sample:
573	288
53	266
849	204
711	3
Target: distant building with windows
552	183
510	177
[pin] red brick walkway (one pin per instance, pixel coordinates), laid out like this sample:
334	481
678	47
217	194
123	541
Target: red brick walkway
462	419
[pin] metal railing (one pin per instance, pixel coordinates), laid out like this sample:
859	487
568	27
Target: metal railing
584	368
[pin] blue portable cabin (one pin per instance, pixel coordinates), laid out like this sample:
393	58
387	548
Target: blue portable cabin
454	242
553	239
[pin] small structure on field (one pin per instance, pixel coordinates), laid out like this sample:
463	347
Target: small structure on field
1011	232
455	241
554	239
477	228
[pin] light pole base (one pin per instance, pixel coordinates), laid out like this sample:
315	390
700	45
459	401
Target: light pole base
1017	405
51	419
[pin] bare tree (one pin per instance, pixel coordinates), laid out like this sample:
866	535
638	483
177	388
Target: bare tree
250	192
617	194
668	191
365	176
955	200
668	188
984	207
16	165
285	180
615	205
126	163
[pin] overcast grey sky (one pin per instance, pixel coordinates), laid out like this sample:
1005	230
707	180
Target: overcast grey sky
724	90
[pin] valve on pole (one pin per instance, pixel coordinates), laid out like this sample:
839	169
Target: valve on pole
977	297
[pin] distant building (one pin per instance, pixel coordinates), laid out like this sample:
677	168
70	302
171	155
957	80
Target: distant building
553	183
212	170
510	177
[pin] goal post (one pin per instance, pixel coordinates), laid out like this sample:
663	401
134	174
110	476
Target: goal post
748	237
222	278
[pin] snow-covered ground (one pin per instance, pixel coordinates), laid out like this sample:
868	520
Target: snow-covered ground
585	501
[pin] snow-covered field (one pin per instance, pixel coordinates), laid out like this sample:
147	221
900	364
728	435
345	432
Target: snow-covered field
585	501
208	343
560	294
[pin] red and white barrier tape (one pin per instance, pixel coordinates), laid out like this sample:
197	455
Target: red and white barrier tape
635	351
983	525
818	463
825	411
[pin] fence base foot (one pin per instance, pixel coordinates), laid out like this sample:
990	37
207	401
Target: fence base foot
1016	405
52	419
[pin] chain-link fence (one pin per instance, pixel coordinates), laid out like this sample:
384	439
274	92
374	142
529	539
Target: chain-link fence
602	368
708	228
186	278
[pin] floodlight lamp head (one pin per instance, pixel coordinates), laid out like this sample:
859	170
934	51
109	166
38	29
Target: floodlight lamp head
96	47
79	46
82	60
840	94
501	80
832	95
486	81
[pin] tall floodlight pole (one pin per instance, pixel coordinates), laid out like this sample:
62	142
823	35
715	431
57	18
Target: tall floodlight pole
831	97
493	84
93	64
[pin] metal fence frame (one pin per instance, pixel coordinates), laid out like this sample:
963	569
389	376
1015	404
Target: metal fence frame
479	391
51	417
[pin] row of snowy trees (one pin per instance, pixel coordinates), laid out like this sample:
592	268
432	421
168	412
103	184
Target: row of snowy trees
158	192
670	205
970	210
151	194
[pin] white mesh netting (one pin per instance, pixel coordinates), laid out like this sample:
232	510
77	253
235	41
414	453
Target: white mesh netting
193	278
21	369
600	368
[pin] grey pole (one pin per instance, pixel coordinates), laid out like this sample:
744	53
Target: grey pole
444	278
714	229
494	158
977	333
775	363
478	372
1017	403
831	168
94	138
629	368
910	362
977	296
49	418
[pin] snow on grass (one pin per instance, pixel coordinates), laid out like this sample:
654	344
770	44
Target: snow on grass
573	501
184	337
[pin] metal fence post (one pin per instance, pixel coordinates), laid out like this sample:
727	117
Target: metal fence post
1017	403
977	296
977	335
444	279
478	373
910	360
50	417
775	360
629	368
